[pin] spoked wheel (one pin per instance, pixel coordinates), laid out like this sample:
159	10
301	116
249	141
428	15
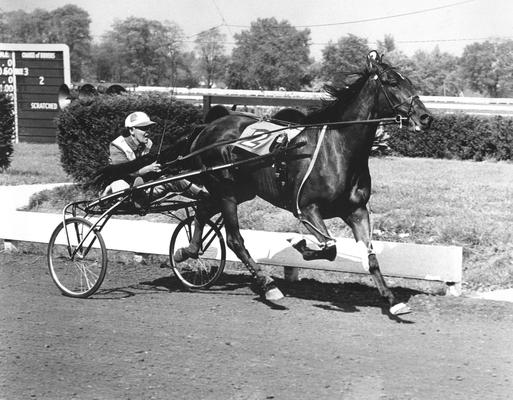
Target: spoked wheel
202	271
77	258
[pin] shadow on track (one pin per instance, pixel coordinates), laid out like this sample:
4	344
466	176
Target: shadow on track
345	297
338	297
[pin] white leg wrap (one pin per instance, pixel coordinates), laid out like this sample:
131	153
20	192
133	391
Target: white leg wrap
273	294
330	243
364	254
399	309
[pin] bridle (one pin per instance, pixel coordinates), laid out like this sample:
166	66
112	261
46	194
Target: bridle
396	108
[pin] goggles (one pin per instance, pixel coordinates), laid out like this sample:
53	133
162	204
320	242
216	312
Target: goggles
146	128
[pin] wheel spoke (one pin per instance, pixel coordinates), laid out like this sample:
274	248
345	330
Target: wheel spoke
203	270
81	274
87	274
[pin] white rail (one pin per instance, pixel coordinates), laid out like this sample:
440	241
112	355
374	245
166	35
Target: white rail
469	105
404	260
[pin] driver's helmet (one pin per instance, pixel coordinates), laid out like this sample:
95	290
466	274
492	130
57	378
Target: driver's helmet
136	119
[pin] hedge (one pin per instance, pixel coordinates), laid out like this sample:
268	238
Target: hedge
6	131
457	136
87	126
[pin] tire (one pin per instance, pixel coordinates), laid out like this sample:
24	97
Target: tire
81	276
203	271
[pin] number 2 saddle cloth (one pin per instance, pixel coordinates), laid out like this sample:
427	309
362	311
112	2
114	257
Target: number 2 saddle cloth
266	134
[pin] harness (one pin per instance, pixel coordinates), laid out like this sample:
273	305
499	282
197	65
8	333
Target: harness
280	167
396	108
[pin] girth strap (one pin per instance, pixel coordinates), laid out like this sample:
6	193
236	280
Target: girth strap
320	139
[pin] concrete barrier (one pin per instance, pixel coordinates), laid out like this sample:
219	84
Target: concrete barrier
404	260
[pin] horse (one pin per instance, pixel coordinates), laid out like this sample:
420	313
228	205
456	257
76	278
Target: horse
332	181
289	115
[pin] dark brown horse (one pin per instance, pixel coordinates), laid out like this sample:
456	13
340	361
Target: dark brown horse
334	181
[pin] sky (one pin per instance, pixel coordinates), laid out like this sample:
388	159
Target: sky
415	25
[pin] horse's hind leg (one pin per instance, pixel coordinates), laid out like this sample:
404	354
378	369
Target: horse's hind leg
360	224
265	284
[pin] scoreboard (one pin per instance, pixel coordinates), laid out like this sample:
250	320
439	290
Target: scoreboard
31	74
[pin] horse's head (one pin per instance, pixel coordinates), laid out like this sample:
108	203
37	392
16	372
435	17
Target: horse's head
397	97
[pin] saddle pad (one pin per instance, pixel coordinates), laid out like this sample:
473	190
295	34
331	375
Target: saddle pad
262	143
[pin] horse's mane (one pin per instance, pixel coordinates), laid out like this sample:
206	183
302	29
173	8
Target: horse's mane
339	99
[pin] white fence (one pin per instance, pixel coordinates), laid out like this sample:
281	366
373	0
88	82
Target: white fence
403	260
470	105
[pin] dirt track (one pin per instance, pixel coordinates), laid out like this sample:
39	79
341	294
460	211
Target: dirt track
142	337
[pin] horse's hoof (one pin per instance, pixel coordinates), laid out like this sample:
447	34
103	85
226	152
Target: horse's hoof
266	288
400	309
329	253
300	245
273	294
181	255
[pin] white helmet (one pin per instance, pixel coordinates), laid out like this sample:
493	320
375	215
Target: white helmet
138	118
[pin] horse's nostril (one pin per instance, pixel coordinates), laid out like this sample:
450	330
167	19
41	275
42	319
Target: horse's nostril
426	119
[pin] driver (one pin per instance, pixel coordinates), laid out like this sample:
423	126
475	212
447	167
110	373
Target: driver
134	143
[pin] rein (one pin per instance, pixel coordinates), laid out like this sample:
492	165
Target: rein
162	137
386	121
212	146
398	119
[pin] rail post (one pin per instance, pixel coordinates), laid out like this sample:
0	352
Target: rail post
207	100
291	274
10	246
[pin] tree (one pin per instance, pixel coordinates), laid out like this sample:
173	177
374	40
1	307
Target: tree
212	61
4	27
344	58
488	67
6	130
270	55
186	74
505	66
68	24
139	51
433	73
387	45
23	27
398	59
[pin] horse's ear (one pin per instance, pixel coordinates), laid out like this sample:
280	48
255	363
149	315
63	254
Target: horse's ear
372	58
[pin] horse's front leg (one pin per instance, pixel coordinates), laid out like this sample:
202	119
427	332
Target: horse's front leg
312	220
359	222
265	284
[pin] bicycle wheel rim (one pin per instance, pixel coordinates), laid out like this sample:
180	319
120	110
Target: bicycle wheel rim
203	271
82	274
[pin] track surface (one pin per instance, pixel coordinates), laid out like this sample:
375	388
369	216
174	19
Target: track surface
142	337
